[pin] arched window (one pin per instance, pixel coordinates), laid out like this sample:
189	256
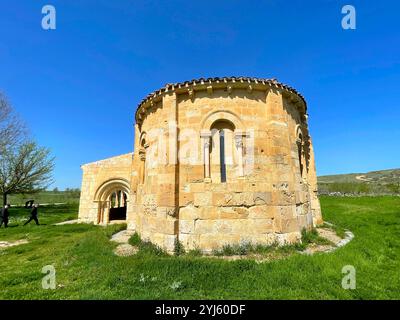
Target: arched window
222	161
300	152
222	148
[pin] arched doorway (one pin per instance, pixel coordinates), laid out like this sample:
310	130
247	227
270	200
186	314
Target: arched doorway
112	198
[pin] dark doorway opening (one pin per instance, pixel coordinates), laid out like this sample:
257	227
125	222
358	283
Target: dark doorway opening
118	206
118	213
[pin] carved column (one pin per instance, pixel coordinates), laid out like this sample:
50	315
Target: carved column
121	199
116	203
239	135
106	212
206	137
142	157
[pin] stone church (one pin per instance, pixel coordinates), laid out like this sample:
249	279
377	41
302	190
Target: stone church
216	161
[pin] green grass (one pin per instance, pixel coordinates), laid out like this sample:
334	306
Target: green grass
86	267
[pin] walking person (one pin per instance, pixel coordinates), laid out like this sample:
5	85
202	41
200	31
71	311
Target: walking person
34	214
4	216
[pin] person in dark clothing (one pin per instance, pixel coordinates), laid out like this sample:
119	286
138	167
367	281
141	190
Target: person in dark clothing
4	216
33	216
29	203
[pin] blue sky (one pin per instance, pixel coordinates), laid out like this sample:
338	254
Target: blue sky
78	86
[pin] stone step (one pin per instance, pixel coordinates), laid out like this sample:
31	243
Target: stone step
122	236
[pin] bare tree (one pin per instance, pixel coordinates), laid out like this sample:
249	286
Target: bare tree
25	168
12	129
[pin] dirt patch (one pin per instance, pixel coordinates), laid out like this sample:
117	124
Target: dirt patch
125	250
6	244
67	222
363	178
330	235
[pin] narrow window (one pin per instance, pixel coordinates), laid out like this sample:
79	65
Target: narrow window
221	166
222	155
300	151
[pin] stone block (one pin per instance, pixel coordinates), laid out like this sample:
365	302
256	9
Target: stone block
166	199
169	242
204	226
262	225
189	213
186	226
202	199
197	187
223	226
261	198
261	212
209	213
289	225
185	198
169	226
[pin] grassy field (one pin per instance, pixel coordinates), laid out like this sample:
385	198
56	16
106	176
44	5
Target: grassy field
86	267
46	197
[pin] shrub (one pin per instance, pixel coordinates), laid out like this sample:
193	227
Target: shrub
146	246
135	239
312	236
178	248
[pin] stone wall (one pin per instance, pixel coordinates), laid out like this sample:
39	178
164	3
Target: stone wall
97	173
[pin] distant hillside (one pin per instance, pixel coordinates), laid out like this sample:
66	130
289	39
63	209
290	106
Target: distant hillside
381	176
374	182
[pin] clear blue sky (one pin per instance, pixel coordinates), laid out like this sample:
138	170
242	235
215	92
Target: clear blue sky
78	86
